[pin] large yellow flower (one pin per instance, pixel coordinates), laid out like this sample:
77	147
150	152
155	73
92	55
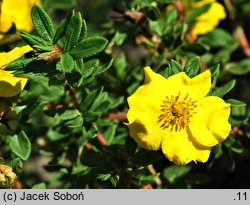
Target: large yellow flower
175	115
9	84
207	21
17	12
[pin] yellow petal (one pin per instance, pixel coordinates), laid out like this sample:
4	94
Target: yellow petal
196	87
179	148
145	103
10	85
210	126
207	21
17	12
145	134
201	3
8	57
143	113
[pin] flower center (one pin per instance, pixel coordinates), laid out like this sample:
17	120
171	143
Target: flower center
176	112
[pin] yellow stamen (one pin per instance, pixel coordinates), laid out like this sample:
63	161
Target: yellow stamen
176	112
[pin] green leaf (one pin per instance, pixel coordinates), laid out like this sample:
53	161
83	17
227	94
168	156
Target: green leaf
235	145
89	98
151	12
193	67
17	164
221	91
73	32
54	135
84	29
119	38
171	17
104	177
174	172
102	68
115	180
20	145
217	38
101	103
120	65
33	40
41	185
88	47
238	68
147	179
195	48
164	25
68	114
62	28
173	68
19	63
67	62
37	109
236	103
215	71
42	23
75	122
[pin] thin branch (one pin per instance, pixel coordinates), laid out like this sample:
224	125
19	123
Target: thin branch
240	35
239	32
101	139
73	96
152	170
117	116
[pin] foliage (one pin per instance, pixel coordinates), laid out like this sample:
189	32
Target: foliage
71	114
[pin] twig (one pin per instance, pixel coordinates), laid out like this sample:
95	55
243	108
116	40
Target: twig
117	116
203	64
240	35
230	8
73	96
152	170
179	7
101	139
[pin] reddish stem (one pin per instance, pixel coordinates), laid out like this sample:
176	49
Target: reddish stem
117	116
101	139
73	96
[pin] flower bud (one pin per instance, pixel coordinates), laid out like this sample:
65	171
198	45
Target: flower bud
7	176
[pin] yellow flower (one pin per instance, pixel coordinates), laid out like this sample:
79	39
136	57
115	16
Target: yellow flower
175	115
17	12
9	84
207	21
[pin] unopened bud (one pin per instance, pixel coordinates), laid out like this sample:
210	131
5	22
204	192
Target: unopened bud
7	176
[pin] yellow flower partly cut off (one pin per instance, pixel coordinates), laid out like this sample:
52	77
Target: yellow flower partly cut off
17	12
209	20
175	115
9	84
